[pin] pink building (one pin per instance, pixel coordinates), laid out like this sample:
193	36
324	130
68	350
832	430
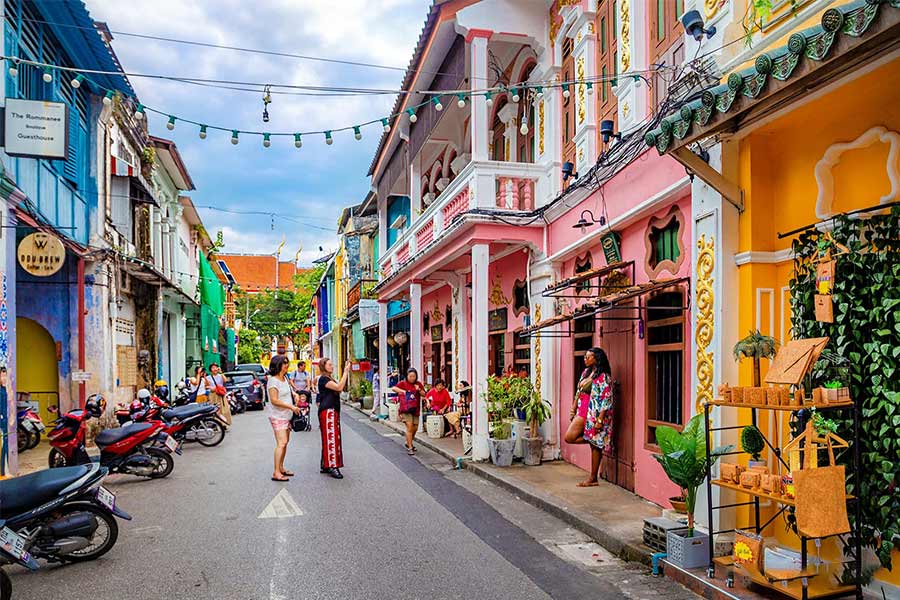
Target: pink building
480	231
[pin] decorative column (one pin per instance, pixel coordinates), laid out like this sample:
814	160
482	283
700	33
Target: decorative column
415	188
480	293
415	333
545	357
478	55
383	347
460	333
585	54
632	93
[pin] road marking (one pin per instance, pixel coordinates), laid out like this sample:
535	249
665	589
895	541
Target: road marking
148	529
282	506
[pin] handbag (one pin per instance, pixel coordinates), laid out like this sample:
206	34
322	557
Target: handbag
409	403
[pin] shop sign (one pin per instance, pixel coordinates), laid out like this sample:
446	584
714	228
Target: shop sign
497	320
81	376
437	333
36	129
611	250
41	254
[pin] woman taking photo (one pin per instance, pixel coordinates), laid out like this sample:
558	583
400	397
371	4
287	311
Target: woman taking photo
592	411
410	386
197	389
215	387
329	401
280	409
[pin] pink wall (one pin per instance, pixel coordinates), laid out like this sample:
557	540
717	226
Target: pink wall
651	175
443	297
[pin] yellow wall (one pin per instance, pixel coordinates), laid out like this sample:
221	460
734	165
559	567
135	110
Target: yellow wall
776	171
36	368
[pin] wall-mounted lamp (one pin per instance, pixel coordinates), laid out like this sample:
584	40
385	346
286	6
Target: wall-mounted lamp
608	130
583	223
693	25
568	170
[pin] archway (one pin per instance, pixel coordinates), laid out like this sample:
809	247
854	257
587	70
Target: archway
37	370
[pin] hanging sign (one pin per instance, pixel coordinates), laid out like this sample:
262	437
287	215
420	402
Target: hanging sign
36	129
497	320
611	249
437	333
41	254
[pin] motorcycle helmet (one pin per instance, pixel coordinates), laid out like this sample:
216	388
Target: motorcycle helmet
162	392
143	395
95	405
179	386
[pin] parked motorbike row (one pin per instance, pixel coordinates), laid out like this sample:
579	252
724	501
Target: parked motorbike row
29	427
64	514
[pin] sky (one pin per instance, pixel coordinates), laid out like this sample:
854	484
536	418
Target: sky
311	184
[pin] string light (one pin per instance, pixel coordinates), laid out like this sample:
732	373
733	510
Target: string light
540	92
437	103
76	83
488	99
328	139
356	132
108	98
515	94
387	125
565	89
461	102
171	124
524	128
412	115
266	141
297	141
203	132
590	87
139	112
48	75
234	137
14	68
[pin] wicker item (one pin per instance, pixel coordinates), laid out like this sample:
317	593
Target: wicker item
748	550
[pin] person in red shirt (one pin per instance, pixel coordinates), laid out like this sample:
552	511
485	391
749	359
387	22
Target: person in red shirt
440	403
414	388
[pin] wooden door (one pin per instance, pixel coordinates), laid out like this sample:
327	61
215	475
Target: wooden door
496	348
617	340
448	364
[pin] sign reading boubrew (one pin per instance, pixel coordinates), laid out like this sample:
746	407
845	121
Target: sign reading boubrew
41	254
36	129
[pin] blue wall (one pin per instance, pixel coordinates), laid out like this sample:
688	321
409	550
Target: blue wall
397	206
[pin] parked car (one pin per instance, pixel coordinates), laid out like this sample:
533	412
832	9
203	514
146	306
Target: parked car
249	383
260	372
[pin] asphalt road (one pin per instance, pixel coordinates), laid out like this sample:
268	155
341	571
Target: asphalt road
395	527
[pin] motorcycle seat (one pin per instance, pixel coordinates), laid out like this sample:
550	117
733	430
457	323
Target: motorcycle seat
183	412
111	436
27	492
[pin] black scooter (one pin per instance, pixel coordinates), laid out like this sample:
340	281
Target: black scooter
61	515
12	551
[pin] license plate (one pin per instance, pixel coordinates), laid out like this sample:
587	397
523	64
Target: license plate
13	543
106	498
171	443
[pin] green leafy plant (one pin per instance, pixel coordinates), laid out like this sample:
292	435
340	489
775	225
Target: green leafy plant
866	331
365	388
537	410
683	458
823	425
756	346
499	407
752	441
833	385
757	15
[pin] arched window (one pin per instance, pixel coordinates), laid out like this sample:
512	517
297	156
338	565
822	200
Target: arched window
568	104
498	144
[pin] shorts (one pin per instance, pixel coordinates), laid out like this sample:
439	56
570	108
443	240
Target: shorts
280	424
584	403
409	418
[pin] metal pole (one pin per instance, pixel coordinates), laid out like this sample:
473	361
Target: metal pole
711	571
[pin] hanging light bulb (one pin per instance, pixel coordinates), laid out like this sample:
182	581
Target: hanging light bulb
328	139
203	132
461	100
108	98
14	68
266	141
139	112
412	115
265	115
387	125
590	87
515	94
523	129
171	124
488	99
436	100
48	75
565	89
540	92
298	143
234	137
76	83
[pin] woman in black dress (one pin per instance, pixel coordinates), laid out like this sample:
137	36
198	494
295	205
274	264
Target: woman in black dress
329	402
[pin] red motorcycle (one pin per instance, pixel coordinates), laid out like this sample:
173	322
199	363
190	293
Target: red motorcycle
127	449
199	423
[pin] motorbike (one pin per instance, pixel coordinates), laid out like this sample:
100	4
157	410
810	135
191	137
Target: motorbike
61	515
237	401
182	396
29	428
12	551
187	423
129	449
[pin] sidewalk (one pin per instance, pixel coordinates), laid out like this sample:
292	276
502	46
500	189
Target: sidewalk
610	515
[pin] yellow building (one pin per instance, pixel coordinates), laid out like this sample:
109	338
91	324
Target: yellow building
804	127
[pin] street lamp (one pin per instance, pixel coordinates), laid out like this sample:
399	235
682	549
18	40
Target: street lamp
583	223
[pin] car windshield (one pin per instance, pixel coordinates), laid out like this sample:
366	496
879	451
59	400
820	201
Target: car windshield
252	367
240	378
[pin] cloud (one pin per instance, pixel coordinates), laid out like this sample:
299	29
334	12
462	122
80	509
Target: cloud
311	184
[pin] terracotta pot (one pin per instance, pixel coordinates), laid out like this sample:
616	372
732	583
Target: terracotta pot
678	503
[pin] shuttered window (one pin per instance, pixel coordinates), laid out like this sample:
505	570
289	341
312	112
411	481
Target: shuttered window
665	362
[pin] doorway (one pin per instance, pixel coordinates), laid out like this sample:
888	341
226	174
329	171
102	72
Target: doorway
617	340
496	353
39	373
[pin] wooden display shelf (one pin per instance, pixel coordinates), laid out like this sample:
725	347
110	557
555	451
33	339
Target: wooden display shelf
820	583
759	494
719	402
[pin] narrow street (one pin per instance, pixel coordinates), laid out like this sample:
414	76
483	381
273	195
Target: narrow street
395	527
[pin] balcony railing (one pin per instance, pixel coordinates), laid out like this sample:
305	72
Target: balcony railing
485	185
354	294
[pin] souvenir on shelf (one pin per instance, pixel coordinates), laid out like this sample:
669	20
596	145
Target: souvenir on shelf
730	472
750	479
771	484
748	549
793	361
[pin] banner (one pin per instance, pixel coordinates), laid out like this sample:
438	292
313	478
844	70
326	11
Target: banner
368	313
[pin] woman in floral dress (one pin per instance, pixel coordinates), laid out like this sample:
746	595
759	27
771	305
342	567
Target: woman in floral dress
592	411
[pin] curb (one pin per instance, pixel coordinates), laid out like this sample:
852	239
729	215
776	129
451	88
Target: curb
584	523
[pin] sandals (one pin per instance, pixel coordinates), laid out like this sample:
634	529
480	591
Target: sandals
280	479
288	473
411	451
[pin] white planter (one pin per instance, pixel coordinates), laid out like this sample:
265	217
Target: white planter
394	413
434	425
519	432
502	451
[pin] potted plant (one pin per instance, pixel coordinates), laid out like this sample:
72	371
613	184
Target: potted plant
520	390
365	394
537	411
756	346
500	437
753	443
683	458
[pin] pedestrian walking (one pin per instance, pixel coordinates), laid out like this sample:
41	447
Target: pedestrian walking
280	409
411	391
215	388
376	394
329	402
300	378
591	412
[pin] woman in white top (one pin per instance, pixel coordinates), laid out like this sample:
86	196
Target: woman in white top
280	409
198	384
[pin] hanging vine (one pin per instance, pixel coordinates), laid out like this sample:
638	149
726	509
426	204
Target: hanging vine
865	331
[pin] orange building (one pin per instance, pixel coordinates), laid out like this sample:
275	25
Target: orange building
255	273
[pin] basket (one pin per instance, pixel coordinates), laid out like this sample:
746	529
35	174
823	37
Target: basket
687	552
655	531
434	425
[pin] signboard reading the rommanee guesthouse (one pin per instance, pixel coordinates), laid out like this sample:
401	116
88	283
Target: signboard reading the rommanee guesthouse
41	254
36	129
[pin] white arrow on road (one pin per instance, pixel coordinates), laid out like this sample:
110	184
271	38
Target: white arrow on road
282	506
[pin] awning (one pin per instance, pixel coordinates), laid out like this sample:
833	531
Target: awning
147	273
138	188
555	290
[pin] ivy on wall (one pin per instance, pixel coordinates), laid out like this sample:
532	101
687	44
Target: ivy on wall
866	331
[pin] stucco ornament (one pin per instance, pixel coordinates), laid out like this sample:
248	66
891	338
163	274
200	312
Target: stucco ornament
711	7
625	20
541	127
704	331
824	168
582	105
497	297
537	352
436	314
